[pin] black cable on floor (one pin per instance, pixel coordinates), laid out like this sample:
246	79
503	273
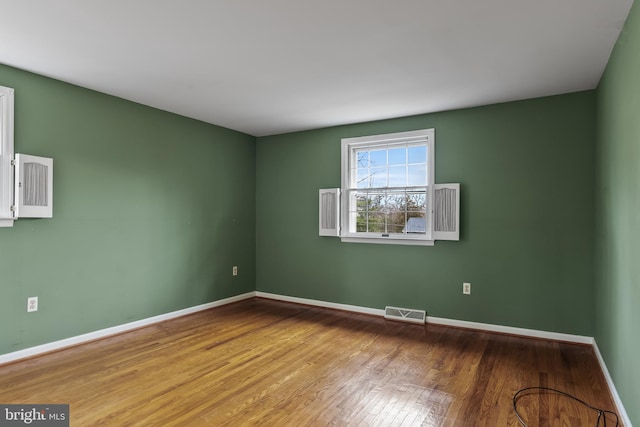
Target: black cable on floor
602	413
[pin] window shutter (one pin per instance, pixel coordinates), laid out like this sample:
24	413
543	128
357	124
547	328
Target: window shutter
6	157
446	218
329	224
33	187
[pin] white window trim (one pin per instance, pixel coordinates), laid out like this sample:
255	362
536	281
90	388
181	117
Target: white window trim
411	241
348	144
6	156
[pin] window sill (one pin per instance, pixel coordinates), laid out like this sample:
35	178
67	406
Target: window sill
388	241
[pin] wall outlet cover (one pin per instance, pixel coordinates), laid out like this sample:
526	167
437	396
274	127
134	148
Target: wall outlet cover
466	288
32	304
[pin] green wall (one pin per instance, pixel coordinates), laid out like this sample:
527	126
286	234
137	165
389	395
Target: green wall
151	211
527	219
618	215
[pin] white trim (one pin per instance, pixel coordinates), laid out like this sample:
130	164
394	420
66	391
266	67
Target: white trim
622	412
531	333
91	336
410	136
388	241
349	187
333	305
6	155
102	333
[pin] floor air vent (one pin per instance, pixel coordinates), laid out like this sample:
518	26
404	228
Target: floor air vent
405	314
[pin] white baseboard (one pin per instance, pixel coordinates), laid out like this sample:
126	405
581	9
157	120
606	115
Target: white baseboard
529	333
56	345
79	339
334	305
622	413
579	339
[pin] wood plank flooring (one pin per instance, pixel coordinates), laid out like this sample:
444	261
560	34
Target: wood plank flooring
263	362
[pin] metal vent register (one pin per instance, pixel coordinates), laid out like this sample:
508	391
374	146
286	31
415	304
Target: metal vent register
405	314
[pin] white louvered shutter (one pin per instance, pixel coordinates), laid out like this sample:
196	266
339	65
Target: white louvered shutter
446	216
329	224
33	191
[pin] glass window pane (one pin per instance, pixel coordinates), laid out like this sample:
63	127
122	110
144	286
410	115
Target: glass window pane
395	228
416	201
362	204
397	176
416	224
362	159
418	154
378	158
376	223
398	156
375	202
378	177
396	218
361	222
396	201
417	175
362	178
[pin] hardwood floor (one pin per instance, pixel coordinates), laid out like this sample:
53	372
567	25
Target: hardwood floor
262	362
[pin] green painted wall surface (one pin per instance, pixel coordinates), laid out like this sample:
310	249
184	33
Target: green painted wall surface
527	219
618	215
151	210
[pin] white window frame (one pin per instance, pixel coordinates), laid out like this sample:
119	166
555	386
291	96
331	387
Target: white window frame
6	156
349	145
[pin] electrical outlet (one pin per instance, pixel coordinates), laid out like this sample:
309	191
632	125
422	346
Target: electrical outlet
32	304
235	270
466	288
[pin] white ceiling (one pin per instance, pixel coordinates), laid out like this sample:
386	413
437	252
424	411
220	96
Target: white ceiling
272	66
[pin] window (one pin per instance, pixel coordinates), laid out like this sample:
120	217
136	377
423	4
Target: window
6	155
387	188
26	189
